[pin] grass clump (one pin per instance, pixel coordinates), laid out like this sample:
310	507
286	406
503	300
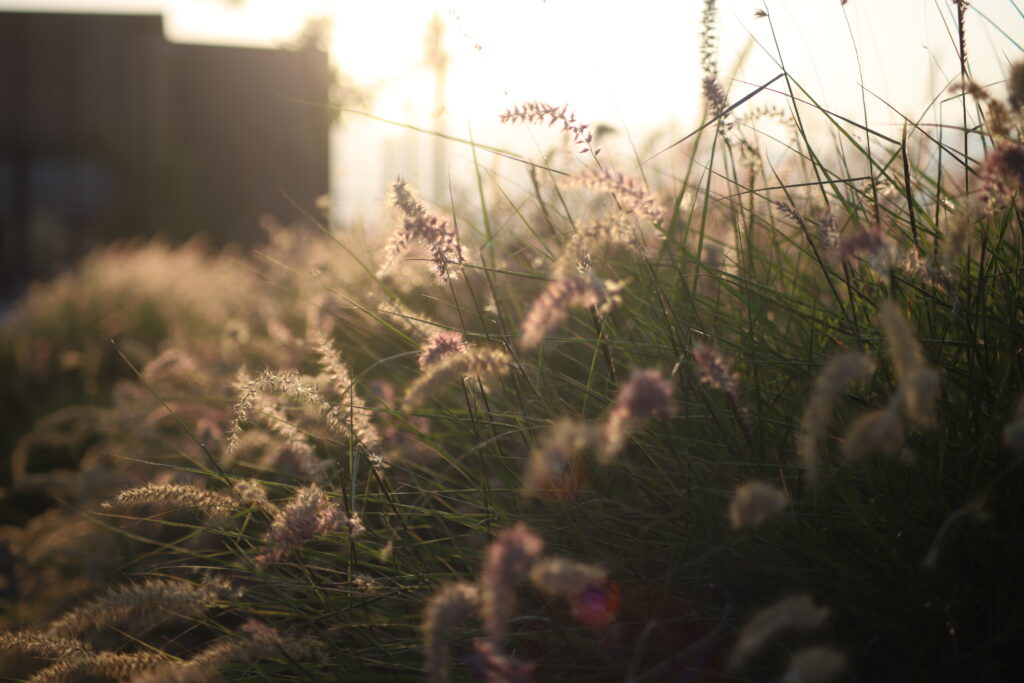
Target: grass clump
611	430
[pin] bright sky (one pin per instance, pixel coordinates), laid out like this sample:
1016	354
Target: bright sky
634	69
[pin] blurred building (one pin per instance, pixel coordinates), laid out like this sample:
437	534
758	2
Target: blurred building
108	131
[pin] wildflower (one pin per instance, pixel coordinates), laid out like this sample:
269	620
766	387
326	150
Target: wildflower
716	370
309	514
508	560
597	605
628	192
433	231
445	611
798	612
555	469
814	665
537	112
487	364
563	578
440	345
838	373
551	307
647	394
216	506
488	664
754	502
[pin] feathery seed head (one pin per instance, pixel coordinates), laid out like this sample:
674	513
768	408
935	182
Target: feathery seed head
431	230
1003	173
838	373
555	469
487	364
309	514
1015	86
628	192
561	578
541	113
445	611
215	506
490	665
798	612
439	345
38	644
904	348
814	665
871	244
716	370
552	306
754	502
1013	432
155	598
647	394
508	560
875	431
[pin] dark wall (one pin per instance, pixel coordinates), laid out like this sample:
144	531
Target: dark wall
107	131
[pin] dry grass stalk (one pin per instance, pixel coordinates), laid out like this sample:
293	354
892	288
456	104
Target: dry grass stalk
814	665
509	559
839	372
797	612
431	230
628	192
547	114
154	598
552	306
446	610
487	364
754	502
